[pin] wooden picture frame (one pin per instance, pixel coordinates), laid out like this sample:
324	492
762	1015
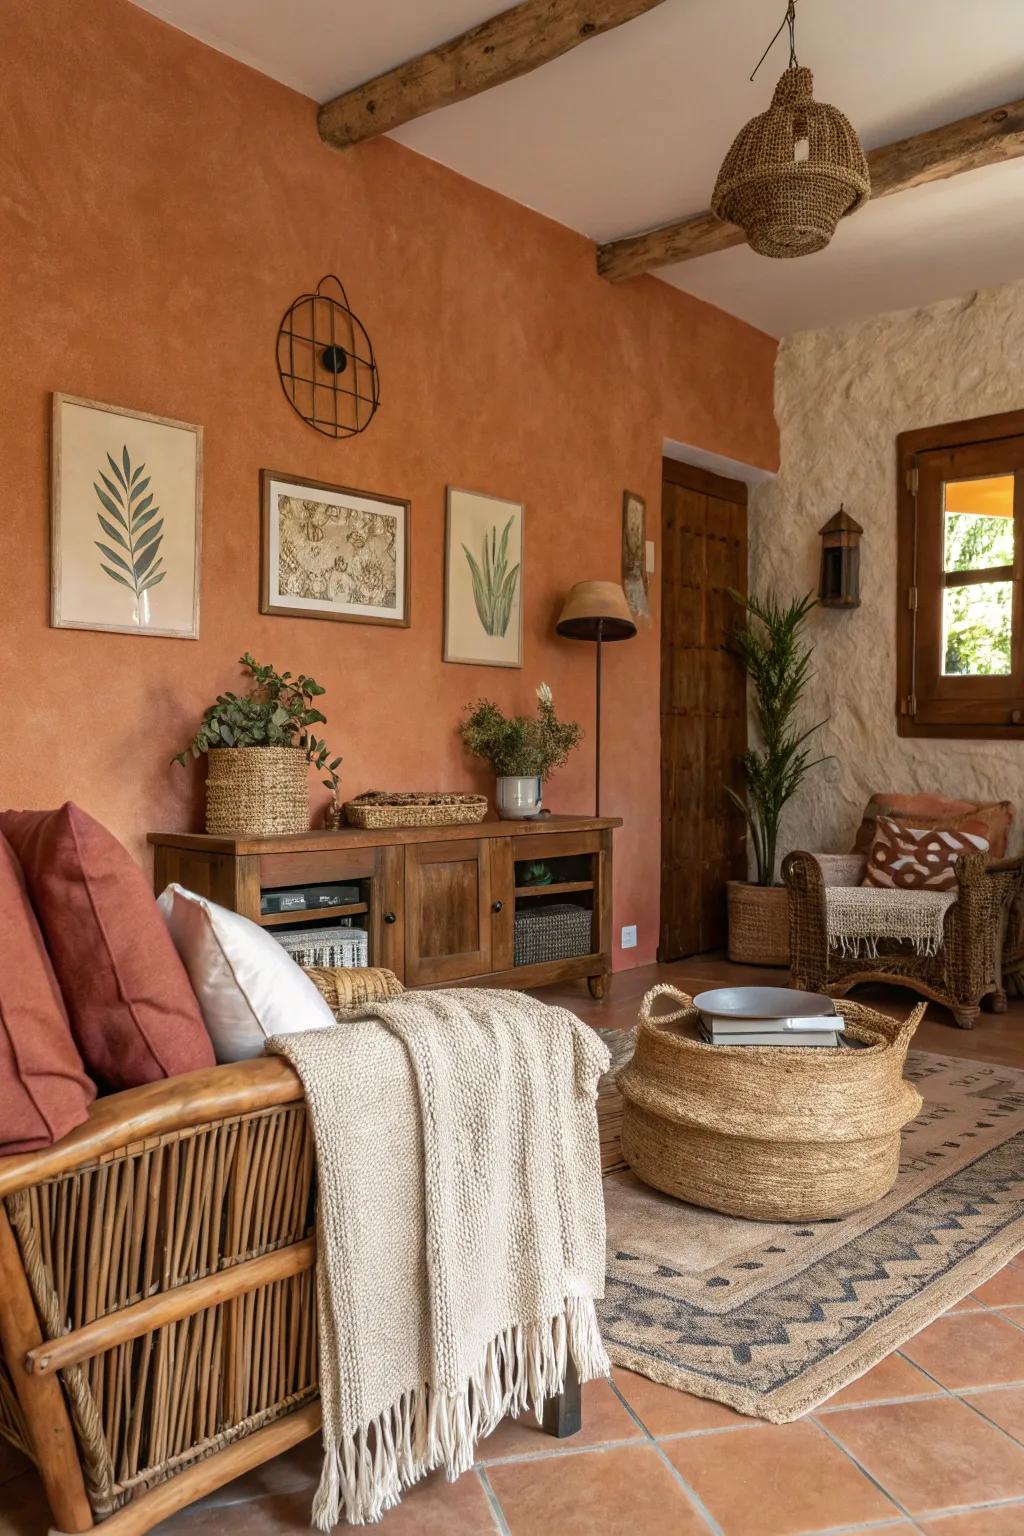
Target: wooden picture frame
125	520
315	553
491	524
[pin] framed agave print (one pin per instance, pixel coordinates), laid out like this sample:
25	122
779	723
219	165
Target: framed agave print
483	620
125	514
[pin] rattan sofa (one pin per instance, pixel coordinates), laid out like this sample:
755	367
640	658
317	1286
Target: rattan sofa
157	1305
967	969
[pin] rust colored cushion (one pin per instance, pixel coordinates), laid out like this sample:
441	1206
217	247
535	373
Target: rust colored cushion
44	1092
991	820
914	859
133	1013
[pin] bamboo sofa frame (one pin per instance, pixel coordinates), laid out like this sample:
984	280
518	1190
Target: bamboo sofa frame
157	1297
965	972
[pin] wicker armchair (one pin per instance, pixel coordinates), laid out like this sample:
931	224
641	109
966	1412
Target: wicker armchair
966	969
157	1300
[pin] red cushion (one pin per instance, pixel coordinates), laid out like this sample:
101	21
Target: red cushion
44	1092
133	1012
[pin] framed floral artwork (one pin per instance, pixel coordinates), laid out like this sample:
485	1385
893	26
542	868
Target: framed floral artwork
327	552
483	588
125	520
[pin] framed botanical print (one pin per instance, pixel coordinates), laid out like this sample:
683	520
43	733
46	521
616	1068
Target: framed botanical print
634	554
125	520
327	552
483	617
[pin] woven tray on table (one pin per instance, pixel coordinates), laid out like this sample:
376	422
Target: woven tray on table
378	809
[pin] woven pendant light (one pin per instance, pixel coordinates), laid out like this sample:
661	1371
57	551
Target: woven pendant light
794	171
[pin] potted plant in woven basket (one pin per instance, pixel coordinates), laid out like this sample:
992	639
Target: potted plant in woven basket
259	749
522	750
777	660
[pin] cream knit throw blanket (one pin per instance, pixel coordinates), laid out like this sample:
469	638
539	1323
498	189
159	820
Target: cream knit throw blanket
460	1228
857	916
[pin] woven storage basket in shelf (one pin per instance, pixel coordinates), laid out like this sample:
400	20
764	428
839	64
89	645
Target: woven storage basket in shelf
260	791
786	206
377	809
560	931
758	924
773	1133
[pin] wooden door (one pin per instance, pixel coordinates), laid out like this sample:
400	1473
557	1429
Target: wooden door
703	705
447	911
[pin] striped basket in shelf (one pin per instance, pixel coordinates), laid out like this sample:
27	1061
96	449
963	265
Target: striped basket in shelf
340	946
557	932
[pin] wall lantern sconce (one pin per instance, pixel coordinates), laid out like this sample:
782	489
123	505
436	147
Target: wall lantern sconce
839	585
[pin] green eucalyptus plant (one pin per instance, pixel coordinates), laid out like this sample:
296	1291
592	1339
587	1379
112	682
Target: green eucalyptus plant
278	711
777	660
523	746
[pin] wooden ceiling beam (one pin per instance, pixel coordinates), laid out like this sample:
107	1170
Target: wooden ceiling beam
508	45
987	138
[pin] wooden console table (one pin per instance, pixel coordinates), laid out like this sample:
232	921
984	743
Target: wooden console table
439	903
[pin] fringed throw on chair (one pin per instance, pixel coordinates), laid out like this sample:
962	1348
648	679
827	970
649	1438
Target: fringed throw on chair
460	1235
858	916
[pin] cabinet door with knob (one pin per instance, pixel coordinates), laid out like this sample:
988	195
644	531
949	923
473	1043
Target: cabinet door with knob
449	911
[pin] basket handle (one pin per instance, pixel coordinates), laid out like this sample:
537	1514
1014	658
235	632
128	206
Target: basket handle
664	989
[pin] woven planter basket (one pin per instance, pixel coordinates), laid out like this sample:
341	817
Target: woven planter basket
773	1133
786	206
259	791
758	923
378	808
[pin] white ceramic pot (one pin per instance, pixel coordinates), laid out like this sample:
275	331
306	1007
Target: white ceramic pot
518	798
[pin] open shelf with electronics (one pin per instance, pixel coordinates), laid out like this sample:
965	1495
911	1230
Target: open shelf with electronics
441	906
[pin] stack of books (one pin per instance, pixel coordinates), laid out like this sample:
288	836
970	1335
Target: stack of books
767	1021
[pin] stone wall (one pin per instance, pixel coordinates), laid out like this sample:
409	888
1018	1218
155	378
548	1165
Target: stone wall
841	397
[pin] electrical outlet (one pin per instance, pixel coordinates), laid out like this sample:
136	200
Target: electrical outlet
629	937
649	556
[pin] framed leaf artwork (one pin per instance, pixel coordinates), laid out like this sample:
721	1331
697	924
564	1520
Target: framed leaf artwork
125	520
483	619
327	552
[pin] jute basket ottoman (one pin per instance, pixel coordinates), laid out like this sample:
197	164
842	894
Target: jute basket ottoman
773	1133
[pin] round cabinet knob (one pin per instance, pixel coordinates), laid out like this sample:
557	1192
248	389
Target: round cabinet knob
389	917
496	906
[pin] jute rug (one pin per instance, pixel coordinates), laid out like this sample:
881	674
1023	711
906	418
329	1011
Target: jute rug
774	1318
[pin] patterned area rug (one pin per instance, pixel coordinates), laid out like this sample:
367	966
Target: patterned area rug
774	1318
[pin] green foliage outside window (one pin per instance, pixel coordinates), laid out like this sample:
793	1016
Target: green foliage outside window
976	618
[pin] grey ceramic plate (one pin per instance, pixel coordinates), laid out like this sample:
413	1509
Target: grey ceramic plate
764	1003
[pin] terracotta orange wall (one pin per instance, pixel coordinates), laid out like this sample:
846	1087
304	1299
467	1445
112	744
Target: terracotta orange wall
160	206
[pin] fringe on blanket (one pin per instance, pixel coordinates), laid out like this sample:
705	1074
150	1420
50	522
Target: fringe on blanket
364	1474
857	918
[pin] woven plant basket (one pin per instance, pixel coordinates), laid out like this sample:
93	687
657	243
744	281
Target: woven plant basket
773	1133
258	791
378	808
786	206
758	923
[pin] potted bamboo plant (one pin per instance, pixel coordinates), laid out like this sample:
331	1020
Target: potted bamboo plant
259	749
777	659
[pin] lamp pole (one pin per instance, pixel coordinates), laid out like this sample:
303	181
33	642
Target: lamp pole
597	724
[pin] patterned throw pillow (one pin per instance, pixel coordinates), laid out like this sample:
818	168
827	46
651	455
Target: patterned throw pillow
910	859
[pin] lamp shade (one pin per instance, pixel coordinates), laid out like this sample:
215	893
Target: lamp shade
595	608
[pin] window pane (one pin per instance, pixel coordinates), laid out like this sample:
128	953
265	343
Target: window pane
978	523
976	629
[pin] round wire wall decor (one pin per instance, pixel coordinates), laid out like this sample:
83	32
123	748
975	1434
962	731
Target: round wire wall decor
325	362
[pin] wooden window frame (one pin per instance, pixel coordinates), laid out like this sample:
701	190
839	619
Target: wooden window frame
974	715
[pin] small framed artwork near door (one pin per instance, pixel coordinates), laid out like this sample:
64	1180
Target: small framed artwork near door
327	552
483	586
125	520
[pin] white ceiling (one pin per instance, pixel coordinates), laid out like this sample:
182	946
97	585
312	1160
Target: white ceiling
628	131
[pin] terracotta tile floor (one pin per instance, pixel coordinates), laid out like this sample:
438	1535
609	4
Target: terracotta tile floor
930	1441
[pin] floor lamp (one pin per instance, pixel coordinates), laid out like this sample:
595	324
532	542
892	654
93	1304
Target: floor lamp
598	611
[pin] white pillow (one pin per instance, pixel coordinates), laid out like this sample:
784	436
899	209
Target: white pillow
248	987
